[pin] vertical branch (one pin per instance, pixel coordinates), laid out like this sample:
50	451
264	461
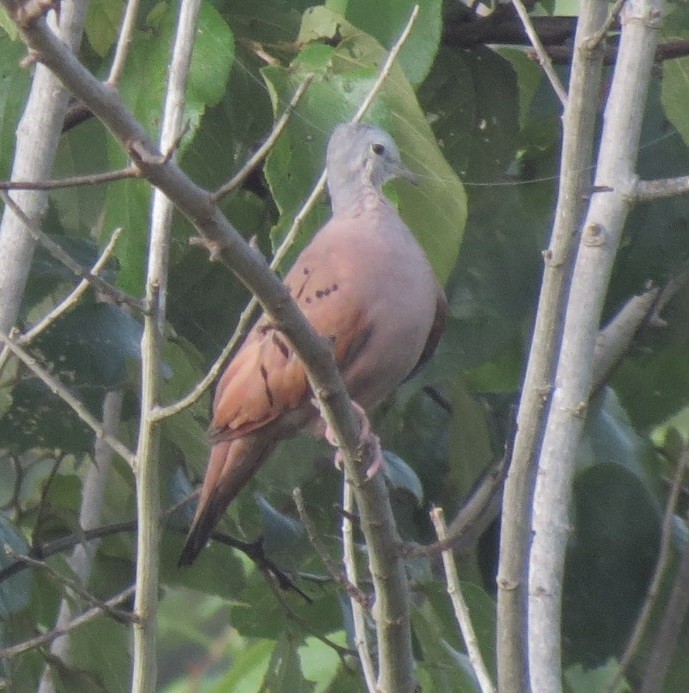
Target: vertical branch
152	343
597	249
38	135
358	611
577	153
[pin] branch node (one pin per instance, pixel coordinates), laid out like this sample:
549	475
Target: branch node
594	235
141	154
215	248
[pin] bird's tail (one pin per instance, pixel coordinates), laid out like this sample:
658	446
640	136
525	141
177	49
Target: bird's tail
231	465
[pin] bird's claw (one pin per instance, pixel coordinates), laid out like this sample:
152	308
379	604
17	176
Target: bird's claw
368	441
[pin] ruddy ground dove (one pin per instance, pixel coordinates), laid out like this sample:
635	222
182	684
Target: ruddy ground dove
366	284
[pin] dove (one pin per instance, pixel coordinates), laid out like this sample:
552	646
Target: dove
365	283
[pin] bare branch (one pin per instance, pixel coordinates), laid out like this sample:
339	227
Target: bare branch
647	190
596	253
358	610
74	586
38	134
265	148
580	119
542	54
664	647
57	388
67	260
124	40
460	607
159	413
475	514
40	640
152	345
73	182
314	539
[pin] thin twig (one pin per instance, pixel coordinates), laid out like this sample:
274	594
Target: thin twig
72	298
661	565
147	474
73	181
599	36
659	657
159	413
57	388
358	612
5	353
124	40
543	57
46	638
67	260
460	607
265	148
74	586
314	539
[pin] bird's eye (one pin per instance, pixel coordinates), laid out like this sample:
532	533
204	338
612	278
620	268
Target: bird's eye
378	148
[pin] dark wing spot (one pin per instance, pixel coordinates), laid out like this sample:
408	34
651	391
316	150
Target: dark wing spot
307	271
308	299
335	287
269	394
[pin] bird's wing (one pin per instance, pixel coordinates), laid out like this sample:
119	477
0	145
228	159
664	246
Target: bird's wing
266	378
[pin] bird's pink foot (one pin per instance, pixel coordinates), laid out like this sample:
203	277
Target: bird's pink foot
368	442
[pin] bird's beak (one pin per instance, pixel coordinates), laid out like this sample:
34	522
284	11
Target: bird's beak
404	172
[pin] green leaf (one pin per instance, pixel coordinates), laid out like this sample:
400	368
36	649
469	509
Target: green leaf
448	669
38	417
598	680
435	210
248	669
81	151
610	559
284	673
103	24
8	25
87	653
91	345
217	571
385	20
319	662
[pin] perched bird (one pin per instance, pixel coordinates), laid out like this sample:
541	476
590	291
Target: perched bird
366	284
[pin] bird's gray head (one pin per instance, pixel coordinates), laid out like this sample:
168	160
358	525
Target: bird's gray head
361	156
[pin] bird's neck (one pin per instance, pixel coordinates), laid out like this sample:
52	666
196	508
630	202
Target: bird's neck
352	200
